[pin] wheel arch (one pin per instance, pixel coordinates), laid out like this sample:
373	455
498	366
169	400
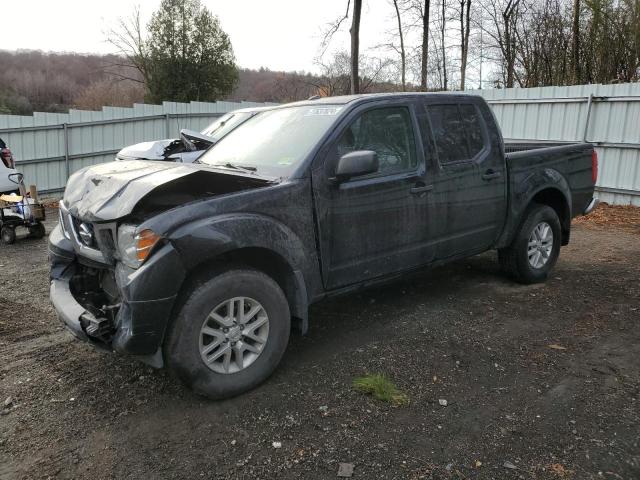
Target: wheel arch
264	260
255	241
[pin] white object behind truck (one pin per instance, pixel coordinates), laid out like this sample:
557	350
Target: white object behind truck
191	145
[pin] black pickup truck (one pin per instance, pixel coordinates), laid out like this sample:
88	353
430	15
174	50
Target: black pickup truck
205	268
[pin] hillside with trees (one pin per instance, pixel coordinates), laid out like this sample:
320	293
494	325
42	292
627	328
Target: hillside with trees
182	55
55	82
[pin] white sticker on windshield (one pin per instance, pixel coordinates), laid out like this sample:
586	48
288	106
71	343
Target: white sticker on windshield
329	111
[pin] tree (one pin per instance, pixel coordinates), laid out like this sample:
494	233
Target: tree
568	42
355	46
403	56
111	92
418	20
377	75
424	53
443	41
185	55
128	38
190	57
504	16
465	29
575	40
354	32
543	44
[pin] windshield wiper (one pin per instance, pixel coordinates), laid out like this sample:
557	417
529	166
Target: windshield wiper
244	168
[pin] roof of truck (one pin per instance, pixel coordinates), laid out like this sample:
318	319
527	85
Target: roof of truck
253	109
344	99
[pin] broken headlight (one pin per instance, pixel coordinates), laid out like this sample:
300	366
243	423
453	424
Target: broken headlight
134	247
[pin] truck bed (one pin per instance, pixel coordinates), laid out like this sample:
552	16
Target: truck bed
533	170
569	165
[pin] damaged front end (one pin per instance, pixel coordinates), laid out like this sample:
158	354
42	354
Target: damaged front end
102	287
96	290
105	302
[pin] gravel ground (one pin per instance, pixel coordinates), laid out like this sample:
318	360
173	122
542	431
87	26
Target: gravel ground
541	382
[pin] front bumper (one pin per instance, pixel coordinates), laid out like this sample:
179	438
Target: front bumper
137	323
68	309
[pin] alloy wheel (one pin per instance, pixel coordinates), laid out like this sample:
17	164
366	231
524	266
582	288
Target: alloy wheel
234	335
540	245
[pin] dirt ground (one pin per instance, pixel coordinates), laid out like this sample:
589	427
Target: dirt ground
541	382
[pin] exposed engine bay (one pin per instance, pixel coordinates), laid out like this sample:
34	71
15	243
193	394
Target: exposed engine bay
96	290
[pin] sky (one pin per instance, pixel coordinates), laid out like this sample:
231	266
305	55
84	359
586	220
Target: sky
277	34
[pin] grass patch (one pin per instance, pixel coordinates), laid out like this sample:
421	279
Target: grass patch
381	388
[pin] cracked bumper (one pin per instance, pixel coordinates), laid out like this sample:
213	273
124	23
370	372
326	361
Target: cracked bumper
147	298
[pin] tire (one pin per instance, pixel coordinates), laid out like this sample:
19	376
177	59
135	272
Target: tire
37	230
8	235
186	341
516	261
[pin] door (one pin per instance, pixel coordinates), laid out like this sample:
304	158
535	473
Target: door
470	182
377	224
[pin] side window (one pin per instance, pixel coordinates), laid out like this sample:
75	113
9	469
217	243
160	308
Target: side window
448	133
457	131
473	127
386	131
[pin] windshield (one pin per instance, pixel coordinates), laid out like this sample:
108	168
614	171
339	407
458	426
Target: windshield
275	142
226	123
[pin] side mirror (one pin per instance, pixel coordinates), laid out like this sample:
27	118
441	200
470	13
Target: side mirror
356	164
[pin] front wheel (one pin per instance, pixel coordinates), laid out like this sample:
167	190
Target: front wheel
535	248
230	333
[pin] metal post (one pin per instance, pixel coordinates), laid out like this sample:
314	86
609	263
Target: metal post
167	119
66	151
586	122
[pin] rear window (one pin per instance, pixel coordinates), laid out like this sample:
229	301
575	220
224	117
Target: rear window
457	131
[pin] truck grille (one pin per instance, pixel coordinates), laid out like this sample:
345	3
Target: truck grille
94	241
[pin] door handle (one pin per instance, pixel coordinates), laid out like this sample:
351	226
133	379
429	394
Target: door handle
490	175
420	188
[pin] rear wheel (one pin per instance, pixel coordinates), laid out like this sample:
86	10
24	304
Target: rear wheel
230	333
8	235
536	247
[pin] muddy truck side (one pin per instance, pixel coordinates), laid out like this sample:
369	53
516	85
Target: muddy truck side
205	268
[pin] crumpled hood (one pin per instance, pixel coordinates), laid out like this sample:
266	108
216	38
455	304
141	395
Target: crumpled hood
146	150
111	191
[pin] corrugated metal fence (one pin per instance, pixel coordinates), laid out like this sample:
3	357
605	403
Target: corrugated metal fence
606	115
50	146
